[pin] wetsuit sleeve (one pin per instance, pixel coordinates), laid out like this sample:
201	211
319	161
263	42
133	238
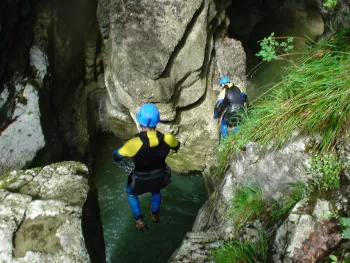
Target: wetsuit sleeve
129	149
217	108
171	141
218	104
244	97
116	156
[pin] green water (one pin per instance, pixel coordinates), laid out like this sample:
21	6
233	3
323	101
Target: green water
181	201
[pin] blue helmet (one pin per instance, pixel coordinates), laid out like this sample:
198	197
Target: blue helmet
224	80
148	115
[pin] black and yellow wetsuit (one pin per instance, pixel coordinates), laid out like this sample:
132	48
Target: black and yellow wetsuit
148	149
231	100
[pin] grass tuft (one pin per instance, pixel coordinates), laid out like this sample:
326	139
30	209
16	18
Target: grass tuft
293	193
242	251
248	203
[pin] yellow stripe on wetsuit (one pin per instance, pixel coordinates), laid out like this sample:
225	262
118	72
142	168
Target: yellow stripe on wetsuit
153	139
170	140
131	147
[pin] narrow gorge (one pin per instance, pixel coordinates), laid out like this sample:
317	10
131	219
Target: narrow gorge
73	75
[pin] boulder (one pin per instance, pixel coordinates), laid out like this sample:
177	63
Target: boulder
40	214
274	168
308	234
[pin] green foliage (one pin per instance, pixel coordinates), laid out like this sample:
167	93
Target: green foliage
333	258
325	170
248	203
346	233
345	222
242	251
312	98
330	3
271	48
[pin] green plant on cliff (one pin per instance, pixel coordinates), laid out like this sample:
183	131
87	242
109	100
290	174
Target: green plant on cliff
242	251
272	49
312	98
248	203
325	170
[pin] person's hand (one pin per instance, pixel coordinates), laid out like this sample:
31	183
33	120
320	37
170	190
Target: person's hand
115	152
215	115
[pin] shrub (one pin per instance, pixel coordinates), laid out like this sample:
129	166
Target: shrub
345	222
325	170
271	49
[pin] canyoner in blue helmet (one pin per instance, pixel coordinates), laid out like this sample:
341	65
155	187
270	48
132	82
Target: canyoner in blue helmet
231	102
148	116
149	149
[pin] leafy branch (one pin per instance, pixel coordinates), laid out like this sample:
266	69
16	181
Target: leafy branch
271	49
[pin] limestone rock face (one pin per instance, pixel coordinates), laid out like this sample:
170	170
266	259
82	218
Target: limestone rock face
56	51
230	60
22	138
307	234
40	214
274	168
162	52
213	226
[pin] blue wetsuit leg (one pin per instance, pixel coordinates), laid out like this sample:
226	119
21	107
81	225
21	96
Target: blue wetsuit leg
156	199
134	202
224	129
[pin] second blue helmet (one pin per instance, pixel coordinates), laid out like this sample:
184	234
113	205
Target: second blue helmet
148	115
224	80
